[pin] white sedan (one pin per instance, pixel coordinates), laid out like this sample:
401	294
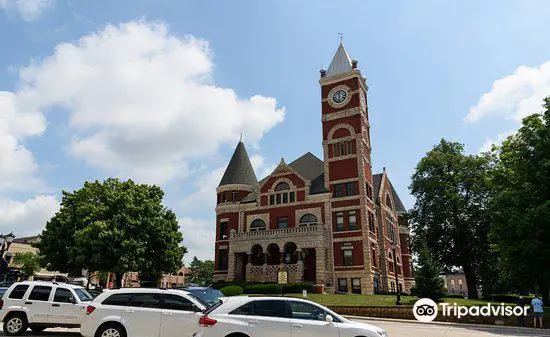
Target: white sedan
243	316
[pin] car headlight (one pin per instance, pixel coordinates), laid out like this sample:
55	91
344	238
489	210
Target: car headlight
382	333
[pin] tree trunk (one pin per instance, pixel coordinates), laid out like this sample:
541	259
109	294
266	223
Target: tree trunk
88	278
471	282
544	290
118	280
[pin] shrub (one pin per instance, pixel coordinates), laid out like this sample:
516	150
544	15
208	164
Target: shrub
509	298
263	288
232	290
296	288
454	296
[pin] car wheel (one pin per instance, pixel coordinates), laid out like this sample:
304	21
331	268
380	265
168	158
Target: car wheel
15	325
111	330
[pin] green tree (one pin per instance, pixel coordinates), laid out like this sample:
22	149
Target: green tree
202	272
521	203
116	226
428	283
450	214
27	262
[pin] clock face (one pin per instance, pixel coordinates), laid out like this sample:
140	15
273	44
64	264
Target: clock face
339	96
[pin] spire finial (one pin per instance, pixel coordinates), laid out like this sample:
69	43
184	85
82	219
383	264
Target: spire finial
341	36
241	139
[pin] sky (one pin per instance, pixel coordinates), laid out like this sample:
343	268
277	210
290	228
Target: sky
160	91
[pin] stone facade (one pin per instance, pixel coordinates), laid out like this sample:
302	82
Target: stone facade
332	221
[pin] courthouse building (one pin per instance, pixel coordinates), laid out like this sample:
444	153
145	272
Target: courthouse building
329	221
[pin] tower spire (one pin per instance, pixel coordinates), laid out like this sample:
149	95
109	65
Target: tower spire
341	62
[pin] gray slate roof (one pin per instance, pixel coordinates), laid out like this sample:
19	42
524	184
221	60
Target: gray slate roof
312	169
377	180
239	170
341	62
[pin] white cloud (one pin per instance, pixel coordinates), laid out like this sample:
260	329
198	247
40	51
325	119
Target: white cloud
142	103
17	166
29	10
27	218
489	142
514	96
199	237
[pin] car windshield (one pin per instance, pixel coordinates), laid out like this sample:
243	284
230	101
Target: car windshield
208	296
83	295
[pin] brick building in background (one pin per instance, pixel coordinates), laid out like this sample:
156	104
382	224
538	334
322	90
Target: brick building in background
331	222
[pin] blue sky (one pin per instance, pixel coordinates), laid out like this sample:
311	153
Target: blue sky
159	91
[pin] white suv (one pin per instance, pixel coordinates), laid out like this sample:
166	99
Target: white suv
243	316
41	305
142	312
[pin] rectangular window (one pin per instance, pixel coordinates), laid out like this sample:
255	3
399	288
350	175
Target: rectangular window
282	222
122	299
348	257
335	152
292	199
352	220
285	198
369	190
374	263
349	147
19	291
278	199
223	259
343	285
342	149
338	190
339	221
223	230
350	188
234	196
63	295
146	300
371	222
272	199
356	285
40	293
175	302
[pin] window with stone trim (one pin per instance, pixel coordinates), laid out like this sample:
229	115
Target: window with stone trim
388	200
373	252
356	285
372	227
344	190
343	285
369	190
343	148
308	220
224	225
350	189
258	225
223	259
339	221
347	253
352	220
282	195
282	222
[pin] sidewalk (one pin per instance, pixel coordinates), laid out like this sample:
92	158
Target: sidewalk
410	321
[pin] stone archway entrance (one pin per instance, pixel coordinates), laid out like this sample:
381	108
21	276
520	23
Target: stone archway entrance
310	264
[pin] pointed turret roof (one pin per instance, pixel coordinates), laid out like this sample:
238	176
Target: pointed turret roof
239	170
341	62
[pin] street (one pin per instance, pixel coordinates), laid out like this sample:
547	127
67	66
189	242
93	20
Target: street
394	328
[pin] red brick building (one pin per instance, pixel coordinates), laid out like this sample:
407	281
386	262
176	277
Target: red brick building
330	221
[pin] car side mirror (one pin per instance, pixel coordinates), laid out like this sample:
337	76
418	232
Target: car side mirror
329	319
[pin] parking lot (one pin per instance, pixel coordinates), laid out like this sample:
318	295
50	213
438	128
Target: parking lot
396	328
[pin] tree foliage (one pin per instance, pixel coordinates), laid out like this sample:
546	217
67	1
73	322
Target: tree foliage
202	272
450	214
428	283
28	262
520	203
116	226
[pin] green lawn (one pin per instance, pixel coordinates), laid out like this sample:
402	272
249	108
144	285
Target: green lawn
374	300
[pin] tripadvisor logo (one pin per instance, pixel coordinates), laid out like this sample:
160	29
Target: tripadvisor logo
426	310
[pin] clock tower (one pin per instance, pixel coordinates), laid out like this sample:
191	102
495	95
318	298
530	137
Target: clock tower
348	172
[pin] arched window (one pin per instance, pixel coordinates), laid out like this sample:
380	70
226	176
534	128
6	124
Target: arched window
389	255
388	201
257	256
308	220
281	196
180	274
282	187
257	225
290	254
